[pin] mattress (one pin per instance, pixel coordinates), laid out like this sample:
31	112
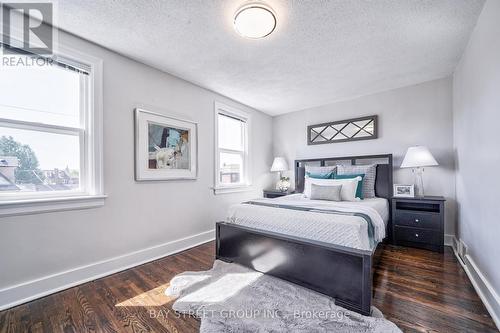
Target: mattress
358	225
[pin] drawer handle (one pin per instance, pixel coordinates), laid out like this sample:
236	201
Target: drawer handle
417	220
416	235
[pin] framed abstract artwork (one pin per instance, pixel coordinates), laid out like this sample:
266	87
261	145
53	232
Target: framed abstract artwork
364	128
165	147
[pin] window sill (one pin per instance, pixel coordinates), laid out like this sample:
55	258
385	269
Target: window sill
44	205
232	189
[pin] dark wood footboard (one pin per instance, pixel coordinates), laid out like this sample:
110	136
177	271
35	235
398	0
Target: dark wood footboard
340	272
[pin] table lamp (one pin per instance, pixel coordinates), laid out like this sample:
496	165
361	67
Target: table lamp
417	158
280	165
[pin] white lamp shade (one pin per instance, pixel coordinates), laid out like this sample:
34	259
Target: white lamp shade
279	164
418	156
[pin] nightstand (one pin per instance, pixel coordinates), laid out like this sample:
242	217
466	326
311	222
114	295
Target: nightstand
275	193
418	222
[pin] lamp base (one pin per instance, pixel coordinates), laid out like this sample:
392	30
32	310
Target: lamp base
283	185
419	182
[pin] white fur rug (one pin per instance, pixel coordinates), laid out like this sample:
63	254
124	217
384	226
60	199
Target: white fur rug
233	298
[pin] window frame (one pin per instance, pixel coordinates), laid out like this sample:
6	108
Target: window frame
245	184
91	191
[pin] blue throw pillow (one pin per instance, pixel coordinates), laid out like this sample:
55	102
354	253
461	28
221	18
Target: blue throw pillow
359	189
325	175
320	172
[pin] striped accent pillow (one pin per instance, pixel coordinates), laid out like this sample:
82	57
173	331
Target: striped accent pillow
370	172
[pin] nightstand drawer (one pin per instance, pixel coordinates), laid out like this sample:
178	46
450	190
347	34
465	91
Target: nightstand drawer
416	235
417	220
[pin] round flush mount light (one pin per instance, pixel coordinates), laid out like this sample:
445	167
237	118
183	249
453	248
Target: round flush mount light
255	20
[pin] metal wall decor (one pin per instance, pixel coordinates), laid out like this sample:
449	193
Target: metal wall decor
364	128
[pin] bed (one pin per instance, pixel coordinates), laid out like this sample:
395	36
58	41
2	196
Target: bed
324	246
339	223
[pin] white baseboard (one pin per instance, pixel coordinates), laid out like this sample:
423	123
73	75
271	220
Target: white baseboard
28	291
483	287
449	240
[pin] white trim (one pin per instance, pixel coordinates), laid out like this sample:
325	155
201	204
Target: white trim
449	240
93	120
30	290
245	185
232	189
483	287
91	151
40	127
45	205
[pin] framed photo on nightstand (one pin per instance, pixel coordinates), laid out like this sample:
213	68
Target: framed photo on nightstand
404	191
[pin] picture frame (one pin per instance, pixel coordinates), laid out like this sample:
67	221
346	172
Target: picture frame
166	147
355	129
404	191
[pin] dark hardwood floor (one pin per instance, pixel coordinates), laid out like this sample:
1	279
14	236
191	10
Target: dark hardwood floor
420	291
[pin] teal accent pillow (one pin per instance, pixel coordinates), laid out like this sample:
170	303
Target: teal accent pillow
320	172
326	175
359	189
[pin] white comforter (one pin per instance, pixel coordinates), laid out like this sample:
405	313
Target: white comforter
346	230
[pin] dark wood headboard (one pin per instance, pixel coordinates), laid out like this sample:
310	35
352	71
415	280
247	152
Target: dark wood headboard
383	182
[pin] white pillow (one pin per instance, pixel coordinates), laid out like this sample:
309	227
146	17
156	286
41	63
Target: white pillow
347	193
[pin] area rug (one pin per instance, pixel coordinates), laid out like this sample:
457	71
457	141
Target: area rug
233	298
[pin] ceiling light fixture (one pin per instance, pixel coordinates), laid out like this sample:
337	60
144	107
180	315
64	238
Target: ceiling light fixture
255	20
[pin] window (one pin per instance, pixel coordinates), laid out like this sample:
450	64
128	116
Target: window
231	142
50	134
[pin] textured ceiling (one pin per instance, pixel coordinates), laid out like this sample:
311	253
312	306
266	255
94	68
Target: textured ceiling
321	51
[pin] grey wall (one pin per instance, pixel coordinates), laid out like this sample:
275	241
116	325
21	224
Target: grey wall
419	114
476	92
136	215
